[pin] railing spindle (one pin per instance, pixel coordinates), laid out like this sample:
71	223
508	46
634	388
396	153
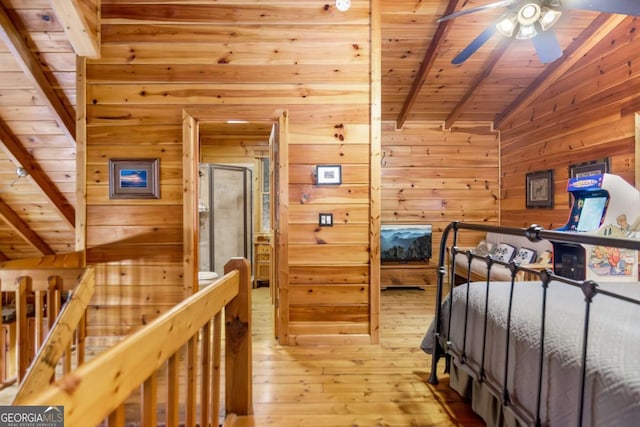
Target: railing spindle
149	401
192	401
116	418
217	355
22	328
205	376
173	391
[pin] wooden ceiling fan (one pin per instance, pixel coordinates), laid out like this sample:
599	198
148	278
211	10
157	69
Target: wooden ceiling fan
533	19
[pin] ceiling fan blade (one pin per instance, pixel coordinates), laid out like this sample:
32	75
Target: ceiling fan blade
474	45
547	46
622	7
477	9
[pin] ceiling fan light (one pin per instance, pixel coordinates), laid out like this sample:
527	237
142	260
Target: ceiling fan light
528	13
526	32
507	25
548	18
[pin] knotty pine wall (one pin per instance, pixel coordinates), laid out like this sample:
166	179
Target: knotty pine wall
587	114
435	176
158	59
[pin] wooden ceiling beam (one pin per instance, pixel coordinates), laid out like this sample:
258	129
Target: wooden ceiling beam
497	53
16	152
591	36
33	71
19	226
427	62
77	17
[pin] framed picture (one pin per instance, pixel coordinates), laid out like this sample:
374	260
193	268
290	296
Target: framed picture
595	167
539	187
134	179
328	174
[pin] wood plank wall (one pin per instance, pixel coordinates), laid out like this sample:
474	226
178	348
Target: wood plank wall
431	176
159	58
586	115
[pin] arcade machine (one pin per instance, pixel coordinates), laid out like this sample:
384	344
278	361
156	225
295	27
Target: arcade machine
603	205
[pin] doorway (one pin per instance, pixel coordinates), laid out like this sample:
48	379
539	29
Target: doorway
196	128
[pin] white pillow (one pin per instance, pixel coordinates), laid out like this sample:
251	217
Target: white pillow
505	252
525	256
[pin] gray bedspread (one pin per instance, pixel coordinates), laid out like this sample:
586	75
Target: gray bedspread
612	396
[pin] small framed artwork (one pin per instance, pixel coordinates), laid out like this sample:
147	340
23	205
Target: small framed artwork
328	174
595	167
539	186
134	178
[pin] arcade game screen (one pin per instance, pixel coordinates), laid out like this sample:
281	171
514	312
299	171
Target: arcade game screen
588	211
591	213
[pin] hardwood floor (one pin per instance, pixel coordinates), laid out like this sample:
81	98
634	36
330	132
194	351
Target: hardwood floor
363	385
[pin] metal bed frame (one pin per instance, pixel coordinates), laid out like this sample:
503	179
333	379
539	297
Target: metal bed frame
591	290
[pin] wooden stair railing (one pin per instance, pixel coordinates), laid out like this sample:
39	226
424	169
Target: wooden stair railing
69	324
97	391
34	287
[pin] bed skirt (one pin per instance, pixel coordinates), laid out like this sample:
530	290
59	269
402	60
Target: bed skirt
483	401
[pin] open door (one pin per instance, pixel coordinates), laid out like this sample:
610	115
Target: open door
279	213
637	150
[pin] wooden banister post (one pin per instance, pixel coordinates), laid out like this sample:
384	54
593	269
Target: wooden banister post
3	345
238	353
23	284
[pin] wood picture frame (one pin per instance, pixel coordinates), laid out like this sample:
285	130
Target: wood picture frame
539	189
134	178
594	167
328	174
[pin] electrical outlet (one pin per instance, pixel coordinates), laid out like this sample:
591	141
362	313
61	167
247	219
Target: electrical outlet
325	220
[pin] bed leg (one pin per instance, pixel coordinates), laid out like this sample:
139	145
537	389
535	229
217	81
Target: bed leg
433	375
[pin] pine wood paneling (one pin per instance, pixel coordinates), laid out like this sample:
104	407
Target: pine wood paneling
348	194
308	214
319	274
322	254
329	313
329	153
579	118
160	58
351	173
330	294
170	113
431	176
338	234
128	295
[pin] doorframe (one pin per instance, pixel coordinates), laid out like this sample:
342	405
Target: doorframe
191	119
637	150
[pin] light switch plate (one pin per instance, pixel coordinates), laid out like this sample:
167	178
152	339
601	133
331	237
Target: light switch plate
325	220
343	5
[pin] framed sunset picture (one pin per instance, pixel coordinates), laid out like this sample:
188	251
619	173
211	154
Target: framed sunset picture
134	179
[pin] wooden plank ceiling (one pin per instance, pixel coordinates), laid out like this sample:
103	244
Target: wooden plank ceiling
40	38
